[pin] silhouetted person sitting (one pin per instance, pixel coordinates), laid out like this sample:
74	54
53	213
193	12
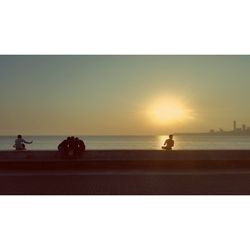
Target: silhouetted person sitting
79	147
63	148
169	143
19	143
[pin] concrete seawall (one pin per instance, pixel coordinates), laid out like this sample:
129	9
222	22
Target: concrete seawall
48	155
126	172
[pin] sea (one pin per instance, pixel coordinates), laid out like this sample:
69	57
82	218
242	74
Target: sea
182	142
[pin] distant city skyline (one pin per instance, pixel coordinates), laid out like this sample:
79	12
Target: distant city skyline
122	95
244	129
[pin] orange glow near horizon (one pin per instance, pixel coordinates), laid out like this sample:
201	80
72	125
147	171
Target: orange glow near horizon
166	111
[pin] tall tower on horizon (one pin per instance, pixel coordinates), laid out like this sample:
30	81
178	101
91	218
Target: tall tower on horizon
234	128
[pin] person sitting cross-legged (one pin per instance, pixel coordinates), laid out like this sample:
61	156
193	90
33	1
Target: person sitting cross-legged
168	144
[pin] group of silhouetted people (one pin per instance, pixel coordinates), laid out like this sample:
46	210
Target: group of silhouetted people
72	147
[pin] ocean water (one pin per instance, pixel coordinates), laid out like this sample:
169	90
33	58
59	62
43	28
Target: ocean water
182	142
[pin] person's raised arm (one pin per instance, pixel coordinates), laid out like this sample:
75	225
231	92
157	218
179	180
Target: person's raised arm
28	142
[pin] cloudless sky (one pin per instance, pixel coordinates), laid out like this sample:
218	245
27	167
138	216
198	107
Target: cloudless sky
110	95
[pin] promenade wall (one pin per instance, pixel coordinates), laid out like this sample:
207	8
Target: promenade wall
126	172
51	155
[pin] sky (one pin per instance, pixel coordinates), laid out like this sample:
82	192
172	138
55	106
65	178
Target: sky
122	95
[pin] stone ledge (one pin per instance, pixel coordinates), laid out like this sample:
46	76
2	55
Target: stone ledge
131	155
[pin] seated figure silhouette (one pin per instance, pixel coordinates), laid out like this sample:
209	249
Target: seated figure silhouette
79	147
71	148
169	143
63	148
20	143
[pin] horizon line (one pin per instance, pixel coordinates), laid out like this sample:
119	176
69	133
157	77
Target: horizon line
77	135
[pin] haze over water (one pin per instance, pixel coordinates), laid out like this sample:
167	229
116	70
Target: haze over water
182	142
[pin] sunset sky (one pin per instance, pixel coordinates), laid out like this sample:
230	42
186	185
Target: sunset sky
122	95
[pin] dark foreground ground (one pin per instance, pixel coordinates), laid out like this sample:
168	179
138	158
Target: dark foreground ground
126	172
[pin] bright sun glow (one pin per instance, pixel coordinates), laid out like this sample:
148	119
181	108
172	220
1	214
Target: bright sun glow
169	111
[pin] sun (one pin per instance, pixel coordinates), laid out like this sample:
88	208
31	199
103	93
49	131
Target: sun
167	111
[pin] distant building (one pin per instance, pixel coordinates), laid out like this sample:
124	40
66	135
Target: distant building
234	126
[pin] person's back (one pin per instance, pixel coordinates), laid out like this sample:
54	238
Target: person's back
19	144
79	147
63	145
170	144
63	148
